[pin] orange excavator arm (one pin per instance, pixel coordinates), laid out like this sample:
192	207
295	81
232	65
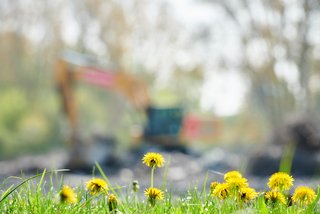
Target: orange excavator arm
64	81
67	73
132	88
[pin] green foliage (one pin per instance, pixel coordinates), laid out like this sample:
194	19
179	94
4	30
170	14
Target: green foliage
24	125
13	106
313	208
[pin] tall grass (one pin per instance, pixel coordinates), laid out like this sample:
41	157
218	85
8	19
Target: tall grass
41	194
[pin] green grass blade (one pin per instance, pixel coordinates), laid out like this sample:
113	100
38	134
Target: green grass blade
5	180
82	205
204	192
26	180
262	205
41	180
286	159
165	176
8	190
105	178
312	206
102	173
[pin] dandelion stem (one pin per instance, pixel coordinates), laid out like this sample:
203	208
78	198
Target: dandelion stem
152	172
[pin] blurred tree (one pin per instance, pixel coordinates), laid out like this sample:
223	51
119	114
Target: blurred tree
280	53
126	34
29	120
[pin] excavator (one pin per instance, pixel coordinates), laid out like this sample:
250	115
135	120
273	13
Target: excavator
164	126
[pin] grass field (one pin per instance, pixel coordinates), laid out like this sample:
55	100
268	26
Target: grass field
36	195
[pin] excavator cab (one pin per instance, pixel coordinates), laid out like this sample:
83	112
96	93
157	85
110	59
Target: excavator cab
163	125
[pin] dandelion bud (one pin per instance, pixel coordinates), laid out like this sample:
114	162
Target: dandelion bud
135	186
112	202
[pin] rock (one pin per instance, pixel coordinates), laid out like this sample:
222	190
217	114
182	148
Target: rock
302	131
304	163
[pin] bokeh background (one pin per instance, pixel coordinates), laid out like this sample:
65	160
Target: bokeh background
252	67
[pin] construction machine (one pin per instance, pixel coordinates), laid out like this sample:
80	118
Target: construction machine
164	126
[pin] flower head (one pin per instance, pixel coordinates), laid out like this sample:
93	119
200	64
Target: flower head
280	181
68	195
235	183
213	185
232	174
152	159
221	191
97	185
247	194
153	194
303	195
112	202
275	197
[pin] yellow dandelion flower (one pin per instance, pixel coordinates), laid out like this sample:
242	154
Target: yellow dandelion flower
280	181
232	174
275	197
152	159
221	191
112	202
153	194
213	185
68	195
303	195
247	194
237	183
97	185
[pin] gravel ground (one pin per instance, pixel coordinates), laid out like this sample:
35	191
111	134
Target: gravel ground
181	172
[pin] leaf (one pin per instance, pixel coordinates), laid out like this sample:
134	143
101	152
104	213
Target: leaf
262	205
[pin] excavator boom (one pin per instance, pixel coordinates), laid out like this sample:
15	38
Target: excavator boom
69	71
